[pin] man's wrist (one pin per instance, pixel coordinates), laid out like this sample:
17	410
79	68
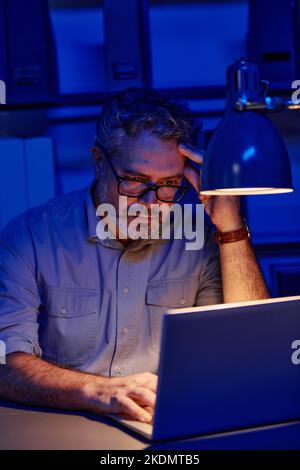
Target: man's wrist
230	225
88	387
238	234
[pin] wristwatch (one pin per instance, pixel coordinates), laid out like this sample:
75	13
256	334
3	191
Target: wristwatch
234	236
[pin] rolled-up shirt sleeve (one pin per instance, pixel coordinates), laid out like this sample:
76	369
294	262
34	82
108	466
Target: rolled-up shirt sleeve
210	290
19	299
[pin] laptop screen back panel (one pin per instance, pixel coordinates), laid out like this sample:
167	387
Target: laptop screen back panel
227	369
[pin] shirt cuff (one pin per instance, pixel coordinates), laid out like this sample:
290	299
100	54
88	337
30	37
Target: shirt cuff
17	344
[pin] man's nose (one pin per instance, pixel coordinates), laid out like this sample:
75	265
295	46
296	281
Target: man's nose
148	199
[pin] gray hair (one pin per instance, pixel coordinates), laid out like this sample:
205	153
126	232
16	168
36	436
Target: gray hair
133	110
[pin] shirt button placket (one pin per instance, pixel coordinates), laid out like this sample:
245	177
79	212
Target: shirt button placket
123	310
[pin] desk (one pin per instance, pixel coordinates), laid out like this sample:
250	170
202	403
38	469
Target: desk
35	428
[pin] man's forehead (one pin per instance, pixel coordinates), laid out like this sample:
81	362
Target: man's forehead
149	151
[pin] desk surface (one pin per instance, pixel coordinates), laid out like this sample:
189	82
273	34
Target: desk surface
34	428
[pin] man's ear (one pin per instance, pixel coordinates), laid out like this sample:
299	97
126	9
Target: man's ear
97	154
98	159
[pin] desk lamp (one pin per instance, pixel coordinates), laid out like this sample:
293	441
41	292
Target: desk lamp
246	154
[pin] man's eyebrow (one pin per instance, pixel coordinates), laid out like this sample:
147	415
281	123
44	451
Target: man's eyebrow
179	175
142	175
134	173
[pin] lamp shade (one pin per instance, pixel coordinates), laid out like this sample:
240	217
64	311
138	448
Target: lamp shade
246	154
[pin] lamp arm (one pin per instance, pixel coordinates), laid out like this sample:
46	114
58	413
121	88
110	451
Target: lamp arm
269	105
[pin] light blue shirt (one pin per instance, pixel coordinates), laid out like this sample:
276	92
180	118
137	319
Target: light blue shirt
90	304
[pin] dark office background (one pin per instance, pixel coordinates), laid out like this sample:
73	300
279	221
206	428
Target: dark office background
57	82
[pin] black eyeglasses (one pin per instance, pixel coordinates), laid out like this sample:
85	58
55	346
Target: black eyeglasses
137	187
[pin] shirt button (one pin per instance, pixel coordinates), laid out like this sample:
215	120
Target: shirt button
63	311
182	301
125	330
125	290
119	370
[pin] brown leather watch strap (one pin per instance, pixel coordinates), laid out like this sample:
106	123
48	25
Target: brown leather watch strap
235	236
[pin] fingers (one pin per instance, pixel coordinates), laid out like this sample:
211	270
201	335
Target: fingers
190	152
143	396
205	199
136	395
145	379
133	410
192	173
194	176
151	386
146	408
151	382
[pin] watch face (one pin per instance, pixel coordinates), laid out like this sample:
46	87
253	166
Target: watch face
248	231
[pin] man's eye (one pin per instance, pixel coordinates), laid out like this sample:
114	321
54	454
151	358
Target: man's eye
172	182
135	178
139	180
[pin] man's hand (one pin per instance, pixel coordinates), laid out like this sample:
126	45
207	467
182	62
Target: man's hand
224	211
132	397
40	383
242	279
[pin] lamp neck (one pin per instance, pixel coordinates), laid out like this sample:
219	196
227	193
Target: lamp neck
243	83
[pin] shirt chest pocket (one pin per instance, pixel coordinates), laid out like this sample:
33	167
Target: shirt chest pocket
163	295
68	325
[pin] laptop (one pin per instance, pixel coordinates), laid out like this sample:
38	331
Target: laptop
226	367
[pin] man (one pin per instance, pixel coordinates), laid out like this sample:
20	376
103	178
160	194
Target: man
80	315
